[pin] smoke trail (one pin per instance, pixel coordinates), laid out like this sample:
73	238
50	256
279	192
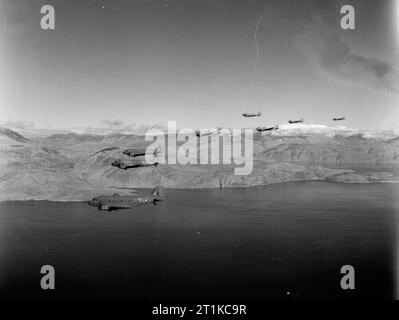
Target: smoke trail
257	53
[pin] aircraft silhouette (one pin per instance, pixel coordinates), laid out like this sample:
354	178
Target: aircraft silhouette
138	152
262	129
339	119
250	115
295	121
132	164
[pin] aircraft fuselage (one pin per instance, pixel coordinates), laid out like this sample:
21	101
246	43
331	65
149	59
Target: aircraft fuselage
140	152
116	202
295	121
262	129
123	202
250	115
132	164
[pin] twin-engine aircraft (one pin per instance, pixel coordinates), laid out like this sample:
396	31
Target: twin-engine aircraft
116	202
138	152
295	121
339	119
263	129
132	164
250	115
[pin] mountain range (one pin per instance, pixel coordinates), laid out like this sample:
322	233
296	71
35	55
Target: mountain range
77	166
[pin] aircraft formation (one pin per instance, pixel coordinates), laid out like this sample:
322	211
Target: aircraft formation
116	202
137	159
276	127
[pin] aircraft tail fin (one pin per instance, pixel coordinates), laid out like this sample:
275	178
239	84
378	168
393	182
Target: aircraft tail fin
158	193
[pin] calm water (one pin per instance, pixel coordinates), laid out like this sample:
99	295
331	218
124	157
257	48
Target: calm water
280	241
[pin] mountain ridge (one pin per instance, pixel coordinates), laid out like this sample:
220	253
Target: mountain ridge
78	166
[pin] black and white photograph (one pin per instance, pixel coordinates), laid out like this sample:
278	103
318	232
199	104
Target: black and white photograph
179	151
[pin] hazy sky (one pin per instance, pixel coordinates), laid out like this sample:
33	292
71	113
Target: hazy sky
147	62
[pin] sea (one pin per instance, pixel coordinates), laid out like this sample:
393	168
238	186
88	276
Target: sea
280	241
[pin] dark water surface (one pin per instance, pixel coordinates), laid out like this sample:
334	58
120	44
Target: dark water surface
286	240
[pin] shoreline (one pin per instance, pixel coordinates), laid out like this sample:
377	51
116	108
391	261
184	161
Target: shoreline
211	188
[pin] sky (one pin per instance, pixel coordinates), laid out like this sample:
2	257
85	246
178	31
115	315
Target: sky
196	63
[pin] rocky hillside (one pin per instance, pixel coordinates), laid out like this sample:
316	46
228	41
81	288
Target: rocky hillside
339	150
78	166
12	135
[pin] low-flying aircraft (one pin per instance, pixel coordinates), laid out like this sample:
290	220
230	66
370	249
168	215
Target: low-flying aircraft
295	121
262	129
339	119
116	201
132	164
250	115
138	152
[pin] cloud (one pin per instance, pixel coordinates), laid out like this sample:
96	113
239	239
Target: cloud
311	129
17	124
300	129
116	126
334	57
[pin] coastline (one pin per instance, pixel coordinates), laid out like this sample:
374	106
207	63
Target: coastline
143	189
